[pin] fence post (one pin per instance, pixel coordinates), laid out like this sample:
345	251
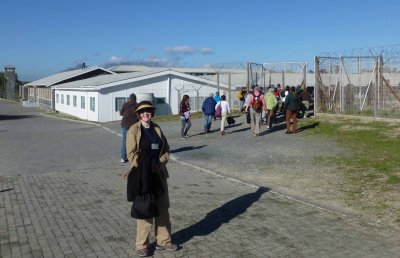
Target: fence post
341	88
229	90
248	76
283	75
218	81
316	84
377	76
197	101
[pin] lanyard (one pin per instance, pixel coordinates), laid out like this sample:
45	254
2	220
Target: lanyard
153	140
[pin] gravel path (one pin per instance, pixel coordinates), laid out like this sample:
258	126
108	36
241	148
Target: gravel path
284	163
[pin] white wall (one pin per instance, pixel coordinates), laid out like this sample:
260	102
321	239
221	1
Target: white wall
93	115
105	100
158	86
75	111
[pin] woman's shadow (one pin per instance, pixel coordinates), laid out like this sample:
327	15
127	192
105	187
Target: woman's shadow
214	219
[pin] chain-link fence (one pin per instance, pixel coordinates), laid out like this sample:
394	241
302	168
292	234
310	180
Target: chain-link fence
234	76
357	85
286	73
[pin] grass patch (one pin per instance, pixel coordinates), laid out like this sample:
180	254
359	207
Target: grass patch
370	144
393	180
370	167
167	118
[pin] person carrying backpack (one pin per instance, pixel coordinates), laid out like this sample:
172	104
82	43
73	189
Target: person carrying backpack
255	104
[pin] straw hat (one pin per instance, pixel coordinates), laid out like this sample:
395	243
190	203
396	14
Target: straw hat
145	105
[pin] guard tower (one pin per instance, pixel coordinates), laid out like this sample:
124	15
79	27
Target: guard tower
10	82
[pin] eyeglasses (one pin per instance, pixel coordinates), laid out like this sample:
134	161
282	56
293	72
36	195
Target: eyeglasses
145	110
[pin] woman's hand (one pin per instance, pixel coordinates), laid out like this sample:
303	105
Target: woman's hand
158	167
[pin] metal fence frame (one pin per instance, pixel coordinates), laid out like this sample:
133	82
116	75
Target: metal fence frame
359	91
286	68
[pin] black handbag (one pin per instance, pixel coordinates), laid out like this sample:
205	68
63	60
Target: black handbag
230	120
144	206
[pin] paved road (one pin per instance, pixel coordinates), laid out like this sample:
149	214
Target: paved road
62	195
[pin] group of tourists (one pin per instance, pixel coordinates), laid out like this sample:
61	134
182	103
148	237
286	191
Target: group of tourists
213	108
260	108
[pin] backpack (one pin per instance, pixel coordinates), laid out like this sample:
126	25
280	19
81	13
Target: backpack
218	111
257	103
239	95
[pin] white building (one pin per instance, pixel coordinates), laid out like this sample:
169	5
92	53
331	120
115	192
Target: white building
100	98
40	91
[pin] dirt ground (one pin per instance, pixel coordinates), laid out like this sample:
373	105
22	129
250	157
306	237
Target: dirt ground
295	165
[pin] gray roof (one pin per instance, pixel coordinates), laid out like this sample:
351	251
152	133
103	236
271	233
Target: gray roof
188	70
105	81
59	77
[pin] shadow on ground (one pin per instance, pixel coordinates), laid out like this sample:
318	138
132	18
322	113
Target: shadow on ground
311	126
187	148
15	117
214	219
6	190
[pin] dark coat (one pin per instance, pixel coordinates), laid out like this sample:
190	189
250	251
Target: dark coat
128	114
144	179
208	107
292	102
133	154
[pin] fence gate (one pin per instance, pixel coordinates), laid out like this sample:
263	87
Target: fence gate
256	75
286	73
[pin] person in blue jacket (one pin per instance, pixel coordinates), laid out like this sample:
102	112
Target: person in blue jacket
208	109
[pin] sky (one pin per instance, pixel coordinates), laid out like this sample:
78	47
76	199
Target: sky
43	37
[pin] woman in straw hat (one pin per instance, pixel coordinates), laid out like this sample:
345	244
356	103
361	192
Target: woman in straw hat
148	152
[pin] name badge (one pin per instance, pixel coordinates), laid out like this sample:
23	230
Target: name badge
154	146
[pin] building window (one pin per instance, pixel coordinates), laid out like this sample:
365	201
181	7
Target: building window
62	98
119	102
92	104
160	100
67	100
74	101
82	102
57	98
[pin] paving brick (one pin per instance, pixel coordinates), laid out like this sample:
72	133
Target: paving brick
74	204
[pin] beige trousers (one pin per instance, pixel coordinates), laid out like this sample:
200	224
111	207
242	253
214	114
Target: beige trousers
162	230
223	119
255	121
162	223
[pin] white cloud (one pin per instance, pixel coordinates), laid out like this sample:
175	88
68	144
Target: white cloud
206	51
186	50
160	61
180	50
148	61
115	59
